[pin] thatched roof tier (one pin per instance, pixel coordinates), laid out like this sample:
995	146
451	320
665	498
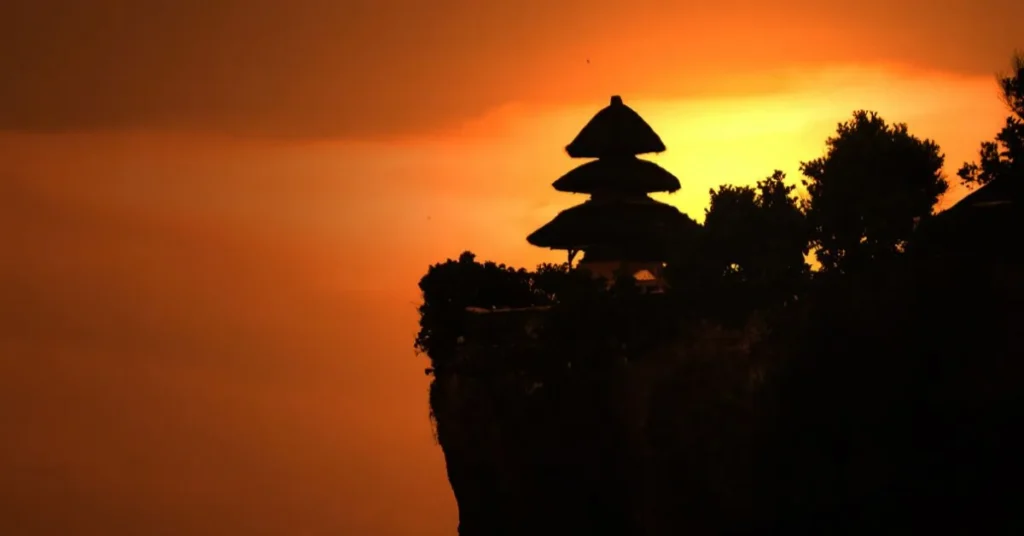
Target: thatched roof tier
628	175
639	223
616	130
659	247
637	251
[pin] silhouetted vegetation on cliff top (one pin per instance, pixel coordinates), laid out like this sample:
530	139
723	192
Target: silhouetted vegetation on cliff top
758	396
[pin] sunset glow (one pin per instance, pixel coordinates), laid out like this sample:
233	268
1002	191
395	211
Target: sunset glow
210	278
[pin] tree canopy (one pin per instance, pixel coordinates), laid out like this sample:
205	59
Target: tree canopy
449	287
760	232
874	182
1004	156
755	242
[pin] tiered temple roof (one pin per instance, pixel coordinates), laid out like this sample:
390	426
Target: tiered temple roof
619	221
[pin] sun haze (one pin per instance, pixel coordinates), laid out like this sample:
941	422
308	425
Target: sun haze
213	216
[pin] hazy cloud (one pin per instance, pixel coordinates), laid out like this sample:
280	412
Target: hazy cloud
376	68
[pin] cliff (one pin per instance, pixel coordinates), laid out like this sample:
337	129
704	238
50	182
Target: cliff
846	413
550	442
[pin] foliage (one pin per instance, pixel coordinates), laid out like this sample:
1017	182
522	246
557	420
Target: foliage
560	283
688	270
452	286
868	191
756	239
1003	157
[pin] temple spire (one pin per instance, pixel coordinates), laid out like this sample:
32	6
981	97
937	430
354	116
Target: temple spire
619	227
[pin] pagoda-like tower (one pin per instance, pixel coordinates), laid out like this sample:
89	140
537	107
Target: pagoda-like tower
620	229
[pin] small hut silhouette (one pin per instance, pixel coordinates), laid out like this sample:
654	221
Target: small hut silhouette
620	229
975	227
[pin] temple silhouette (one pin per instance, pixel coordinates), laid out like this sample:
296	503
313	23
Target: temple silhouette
620	230
878	399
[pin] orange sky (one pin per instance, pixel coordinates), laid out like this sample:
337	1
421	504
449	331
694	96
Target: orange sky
213	216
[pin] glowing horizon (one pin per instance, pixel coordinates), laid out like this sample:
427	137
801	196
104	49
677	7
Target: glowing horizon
212	246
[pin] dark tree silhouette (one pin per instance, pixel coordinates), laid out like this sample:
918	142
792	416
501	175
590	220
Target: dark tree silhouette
757	237
866	193
1003	157
449	287
553	280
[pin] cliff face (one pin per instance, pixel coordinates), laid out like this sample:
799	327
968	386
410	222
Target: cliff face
538	444
888	400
